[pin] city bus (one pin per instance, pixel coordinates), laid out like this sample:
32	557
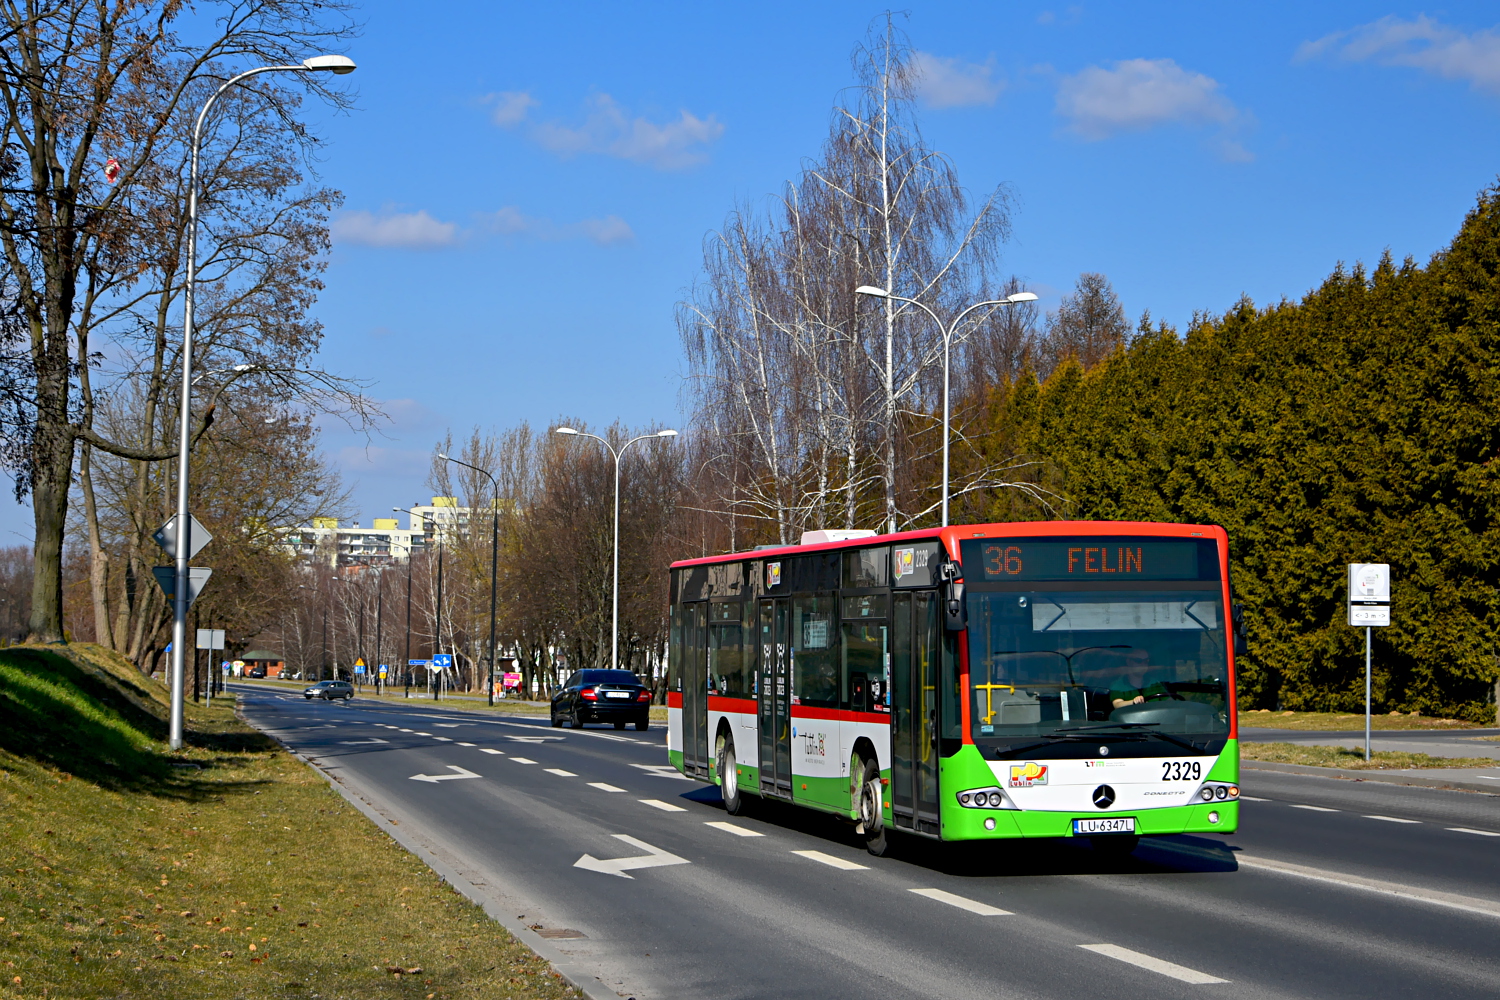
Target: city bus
985	681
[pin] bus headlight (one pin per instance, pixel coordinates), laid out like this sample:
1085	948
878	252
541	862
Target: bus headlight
1218	791
984	798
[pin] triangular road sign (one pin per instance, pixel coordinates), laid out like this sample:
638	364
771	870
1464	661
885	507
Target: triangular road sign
166	579
359	662
198	536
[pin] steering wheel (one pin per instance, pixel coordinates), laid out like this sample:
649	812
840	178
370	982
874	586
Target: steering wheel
1165	694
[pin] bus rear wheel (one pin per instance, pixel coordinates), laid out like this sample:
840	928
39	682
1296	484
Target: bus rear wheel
729	781
872	809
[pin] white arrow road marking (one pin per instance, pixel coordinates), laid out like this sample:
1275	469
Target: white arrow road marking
662	770
355	743
830	860
435	778
973	906
1151	964
656	858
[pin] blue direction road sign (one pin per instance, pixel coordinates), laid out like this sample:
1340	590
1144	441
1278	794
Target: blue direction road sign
443	660
416	663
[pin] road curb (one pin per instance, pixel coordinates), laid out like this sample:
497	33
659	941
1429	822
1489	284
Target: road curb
587	984
1385	777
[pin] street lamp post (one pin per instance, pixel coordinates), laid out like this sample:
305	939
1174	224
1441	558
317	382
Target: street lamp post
948	330
494	557
614	655
324	64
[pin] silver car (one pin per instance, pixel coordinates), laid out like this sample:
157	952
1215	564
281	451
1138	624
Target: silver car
330	690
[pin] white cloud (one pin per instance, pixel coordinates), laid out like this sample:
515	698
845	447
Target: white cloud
1139	94
511	221
946	82
409	230
610	131
1421	43
511	107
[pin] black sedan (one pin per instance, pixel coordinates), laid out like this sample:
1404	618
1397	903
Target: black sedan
616	696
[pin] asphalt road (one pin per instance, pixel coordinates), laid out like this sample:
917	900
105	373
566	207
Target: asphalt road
1332	889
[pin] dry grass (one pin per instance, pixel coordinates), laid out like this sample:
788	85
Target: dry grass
1343	757
1344	721
228	870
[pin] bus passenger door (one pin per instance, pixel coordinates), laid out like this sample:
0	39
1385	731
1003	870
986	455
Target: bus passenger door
914	670
695	688
775	699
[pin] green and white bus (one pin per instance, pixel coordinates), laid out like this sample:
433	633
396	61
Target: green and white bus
1037	679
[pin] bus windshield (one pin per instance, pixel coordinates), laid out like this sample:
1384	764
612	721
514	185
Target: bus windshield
1051	663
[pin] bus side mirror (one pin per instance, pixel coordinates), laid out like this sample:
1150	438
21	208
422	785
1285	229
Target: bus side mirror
1237	614
955	613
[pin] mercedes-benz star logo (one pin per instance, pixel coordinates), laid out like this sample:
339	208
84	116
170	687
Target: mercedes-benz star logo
1104	796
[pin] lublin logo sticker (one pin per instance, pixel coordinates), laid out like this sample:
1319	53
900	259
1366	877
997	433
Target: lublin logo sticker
773	575
1028	775
905	559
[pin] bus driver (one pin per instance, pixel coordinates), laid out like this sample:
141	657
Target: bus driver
1132	688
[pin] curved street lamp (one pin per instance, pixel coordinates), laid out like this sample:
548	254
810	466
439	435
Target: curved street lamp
1009	300
315	64
614	654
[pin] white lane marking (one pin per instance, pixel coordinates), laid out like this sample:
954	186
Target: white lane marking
523	760
1487	777
973	906
604	786
830	860
662	771
654	858
406	730
1465	829
531	739
442	739
417	734
1469	904
1393	819
1252	798
1316	809
450	725
559	772
466	744
738	831
1135	958
459	775
663	806
355	743
488	750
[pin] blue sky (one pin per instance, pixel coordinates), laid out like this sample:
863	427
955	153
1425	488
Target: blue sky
528	185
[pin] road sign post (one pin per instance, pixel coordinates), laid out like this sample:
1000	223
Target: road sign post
182	537
1370	607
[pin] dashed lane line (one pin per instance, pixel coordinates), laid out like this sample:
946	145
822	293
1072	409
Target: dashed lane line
605	786
738	831
1454	901
663	806
1252	798
490	750
831	861
441	739
1316	809
1392	819
1179	972
559	772
523	760
466	744
972	905
1465	829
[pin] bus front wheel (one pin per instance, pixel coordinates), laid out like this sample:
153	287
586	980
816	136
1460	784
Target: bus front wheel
871	810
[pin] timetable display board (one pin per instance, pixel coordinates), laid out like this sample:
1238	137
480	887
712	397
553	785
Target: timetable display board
992	560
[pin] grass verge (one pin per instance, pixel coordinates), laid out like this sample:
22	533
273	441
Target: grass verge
1344	721
227	870
1344	757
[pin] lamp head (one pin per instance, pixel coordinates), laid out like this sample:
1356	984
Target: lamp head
666	434
879	293
563	430
329	64
1021	297
444	457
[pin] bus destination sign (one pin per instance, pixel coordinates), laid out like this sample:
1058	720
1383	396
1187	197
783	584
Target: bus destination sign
1087	559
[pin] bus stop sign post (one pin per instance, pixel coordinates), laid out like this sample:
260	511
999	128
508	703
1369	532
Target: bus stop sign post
1370	607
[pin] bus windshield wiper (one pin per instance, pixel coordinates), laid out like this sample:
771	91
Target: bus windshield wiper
1130	726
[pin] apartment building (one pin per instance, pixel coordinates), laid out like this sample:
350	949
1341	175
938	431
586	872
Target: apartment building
384	541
